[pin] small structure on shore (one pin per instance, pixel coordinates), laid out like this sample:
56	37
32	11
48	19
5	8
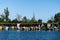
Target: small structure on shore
49	26
1	27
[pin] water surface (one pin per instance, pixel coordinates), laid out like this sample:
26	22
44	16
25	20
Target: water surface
29	35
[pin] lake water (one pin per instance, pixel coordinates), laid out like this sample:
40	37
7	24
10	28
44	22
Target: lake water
29	35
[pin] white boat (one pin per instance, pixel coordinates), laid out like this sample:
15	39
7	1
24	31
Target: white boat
6	28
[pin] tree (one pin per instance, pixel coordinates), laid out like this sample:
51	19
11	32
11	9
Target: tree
49	21
14	21
39	21
33	18
6	14
24	19
57	17
2	17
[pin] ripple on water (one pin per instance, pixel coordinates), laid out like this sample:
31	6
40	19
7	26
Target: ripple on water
29	35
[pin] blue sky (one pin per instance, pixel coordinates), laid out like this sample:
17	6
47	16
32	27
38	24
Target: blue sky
43	9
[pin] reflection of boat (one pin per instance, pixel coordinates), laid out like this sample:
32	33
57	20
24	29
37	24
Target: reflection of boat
18	30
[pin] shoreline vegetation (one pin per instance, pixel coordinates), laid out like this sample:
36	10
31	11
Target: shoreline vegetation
52	24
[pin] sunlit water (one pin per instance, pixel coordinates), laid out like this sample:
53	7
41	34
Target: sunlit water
29	35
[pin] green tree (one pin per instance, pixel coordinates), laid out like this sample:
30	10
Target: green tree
14	21
24	19
49	21
33	19
6	14
57	17
2	17
39	21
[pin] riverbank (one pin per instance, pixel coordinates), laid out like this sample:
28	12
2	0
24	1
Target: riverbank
28	27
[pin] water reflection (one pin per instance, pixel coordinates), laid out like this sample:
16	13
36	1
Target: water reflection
29	35
4	35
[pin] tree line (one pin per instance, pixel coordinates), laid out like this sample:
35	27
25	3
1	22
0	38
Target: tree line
4	18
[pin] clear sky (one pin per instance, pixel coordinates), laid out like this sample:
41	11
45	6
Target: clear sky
43	9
